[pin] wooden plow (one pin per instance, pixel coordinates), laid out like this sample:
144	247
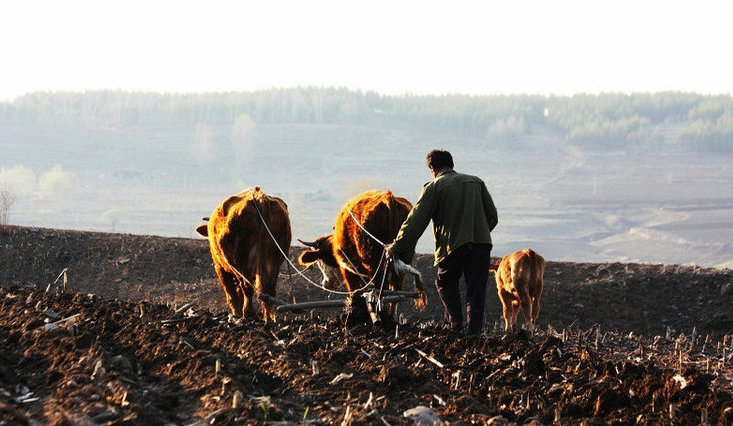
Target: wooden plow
374	301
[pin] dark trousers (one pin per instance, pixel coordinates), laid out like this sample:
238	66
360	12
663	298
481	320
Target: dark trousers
472	261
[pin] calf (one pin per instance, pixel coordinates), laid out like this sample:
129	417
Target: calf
519	279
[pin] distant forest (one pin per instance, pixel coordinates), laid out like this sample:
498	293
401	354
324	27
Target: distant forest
607	121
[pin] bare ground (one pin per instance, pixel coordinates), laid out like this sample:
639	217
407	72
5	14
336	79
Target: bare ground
123	329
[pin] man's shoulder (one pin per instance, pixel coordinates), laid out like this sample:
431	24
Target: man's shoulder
463	177
452	177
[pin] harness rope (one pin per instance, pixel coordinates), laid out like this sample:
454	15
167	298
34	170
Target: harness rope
362	228
383	257
376	301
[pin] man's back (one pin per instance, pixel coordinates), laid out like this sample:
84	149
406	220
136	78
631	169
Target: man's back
465	212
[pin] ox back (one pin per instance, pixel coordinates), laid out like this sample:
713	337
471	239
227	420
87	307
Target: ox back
248	234
519	281
371	216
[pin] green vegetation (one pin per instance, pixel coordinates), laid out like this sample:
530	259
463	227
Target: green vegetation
607	121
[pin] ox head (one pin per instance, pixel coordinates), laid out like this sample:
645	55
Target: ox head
321	254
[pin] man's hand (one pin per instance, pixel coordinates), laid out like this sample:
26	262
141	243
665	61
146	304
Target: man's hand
388	253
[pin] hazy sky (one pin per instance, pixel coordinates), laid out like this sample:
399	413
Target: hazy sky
392	47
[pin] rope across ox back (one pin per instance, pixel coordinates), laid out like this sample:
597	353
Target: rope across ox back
362	227
381	259
352	268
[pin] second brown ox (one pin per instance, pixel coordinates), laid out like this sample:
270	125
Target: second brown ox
519	281
354	252
249	237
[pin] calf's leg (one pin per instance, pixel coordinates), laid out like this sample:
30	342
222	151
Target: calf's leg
232	291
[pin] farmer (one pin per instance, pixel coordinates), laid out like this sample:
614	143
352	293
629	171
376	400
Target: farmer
463	215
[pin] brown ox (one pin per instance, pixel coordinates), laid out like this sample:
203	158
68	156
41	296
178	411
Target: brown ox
519	279
352	252
246	256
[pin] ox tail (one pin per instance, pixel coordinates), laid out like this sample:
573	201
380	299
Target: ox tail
233	268
538	260
261	206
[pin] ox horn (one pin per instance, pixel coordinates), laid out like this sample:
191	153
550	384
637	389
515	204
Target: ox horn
311	244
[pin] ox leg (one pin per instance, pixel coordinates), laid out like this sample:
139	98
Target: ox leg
269	312
508	303
231	290
526	305
516	305
536	300
268	274
267	309
535	309
506	308
248	292
396	283
359	313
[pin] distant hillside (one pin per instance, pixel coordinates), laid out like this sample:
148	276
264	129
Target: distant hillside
605	121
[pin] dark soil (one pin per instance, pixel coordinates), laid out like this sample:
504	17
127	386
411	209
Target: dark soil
124	329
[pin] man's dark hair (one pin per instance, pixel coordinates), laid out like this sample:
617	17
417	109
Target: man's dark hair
439	158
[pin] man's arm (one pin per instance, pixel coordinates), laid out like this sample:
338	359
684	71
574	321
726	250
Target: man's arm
414	226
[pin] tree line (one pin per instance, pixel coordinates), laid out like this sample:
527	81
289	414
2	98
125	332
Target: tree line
604	121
